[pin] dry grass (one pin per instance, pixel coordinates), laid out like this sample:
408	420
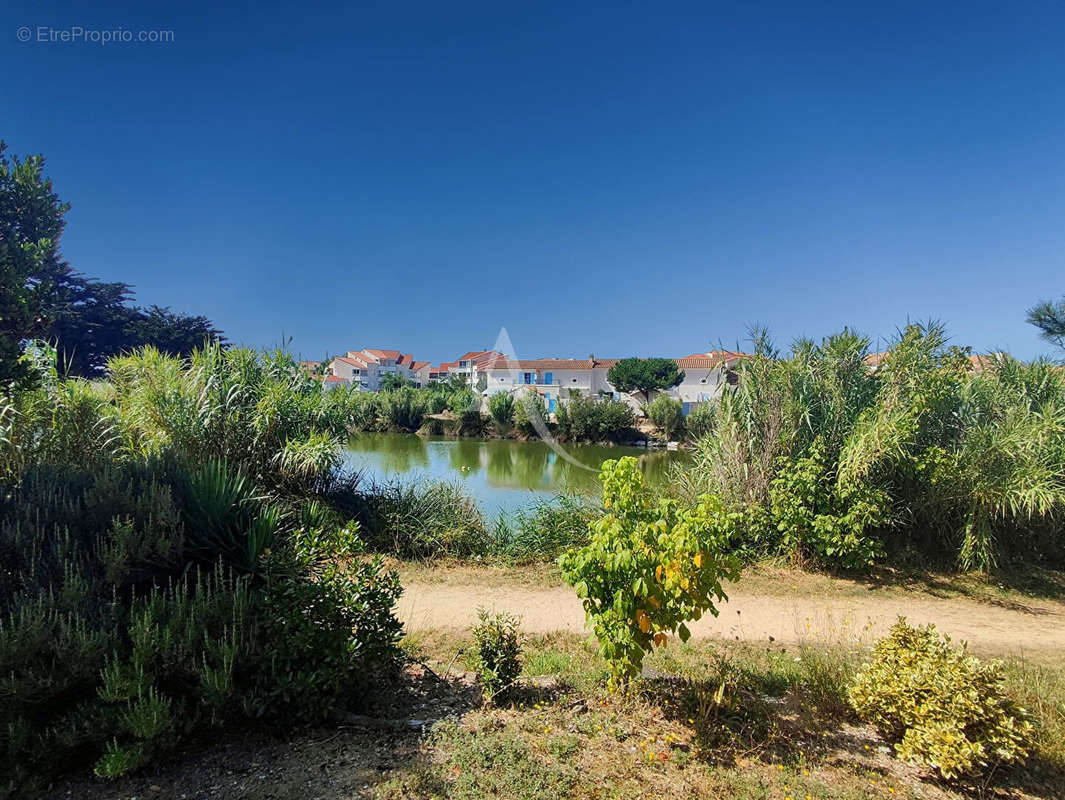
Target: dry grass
714	719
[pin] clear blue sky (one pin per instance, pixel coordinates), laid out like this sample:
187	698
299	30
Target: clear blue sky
631	179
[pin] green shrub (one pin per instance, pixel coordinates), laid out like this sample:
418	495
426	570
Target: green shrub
700	422
498	656
819	521
362	409
122	637
257	411
165	572
649	567
667	414
501	409
589	419
530	412
942	707
472	422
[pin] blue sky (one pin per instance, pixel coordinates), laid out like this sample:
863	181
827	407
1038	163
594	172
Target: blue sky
626	179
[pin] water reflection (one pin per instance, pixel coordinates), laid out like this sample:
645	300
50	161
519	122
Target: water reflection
500	474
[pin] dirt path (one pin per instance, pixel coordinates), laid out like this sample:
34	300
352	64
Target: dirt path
1035	627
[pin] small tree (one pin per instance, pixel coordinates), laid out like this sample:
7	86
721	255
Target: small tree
649	567
645	375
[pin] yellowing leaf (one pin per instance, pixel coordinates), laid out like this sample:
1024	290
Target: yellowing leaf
643	620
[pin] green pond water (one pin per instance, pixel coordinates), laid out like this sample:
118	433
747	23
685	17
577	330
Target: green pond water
501	475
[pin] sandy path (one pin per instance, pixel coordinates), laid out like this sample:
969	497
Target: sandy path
1037	628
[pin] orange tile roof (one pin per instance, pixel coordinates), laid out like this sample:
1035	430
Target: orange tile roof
419	365
335	379
353	361
709	360
543	363
381	353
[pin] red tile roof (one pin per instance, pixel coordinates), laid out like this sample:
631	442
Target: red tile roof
335	379
538	363
381	354
355	362
419	365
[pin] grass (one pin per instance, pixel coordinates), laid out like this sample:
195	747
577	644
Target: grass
709	719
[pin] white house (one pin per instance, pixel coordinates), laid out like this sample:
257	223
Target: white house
558	379
363	369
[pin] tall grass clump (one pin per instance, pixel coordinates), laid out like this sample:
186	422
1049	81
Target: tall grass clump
529	413
545	529
832	456
404	408
501	410
423	520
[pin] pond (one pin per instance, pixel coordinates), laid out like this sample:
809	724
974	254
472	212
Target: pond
500	474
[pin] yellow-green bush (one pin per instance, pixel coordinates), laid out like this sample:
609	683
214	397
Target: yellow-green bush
941	706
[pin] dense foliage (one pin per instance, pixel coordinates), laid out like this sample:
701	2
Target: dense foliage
530	414
171	566
667	414
838	458
942	707
501	410
497	641
594	419
649	566
645	375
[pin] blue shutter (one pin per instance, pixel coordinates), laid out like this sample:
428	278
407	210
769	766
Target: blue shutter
547	377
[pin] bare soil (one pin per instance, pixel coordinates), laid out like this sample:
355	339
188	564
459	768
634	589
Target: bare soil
785	607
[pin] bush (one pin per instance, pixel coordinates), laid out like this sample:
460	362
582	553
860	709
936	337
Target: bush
667	414
530	412
498	652
943	707
588	419
121	637
501	409
257	411
165	570
649	567
700	422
